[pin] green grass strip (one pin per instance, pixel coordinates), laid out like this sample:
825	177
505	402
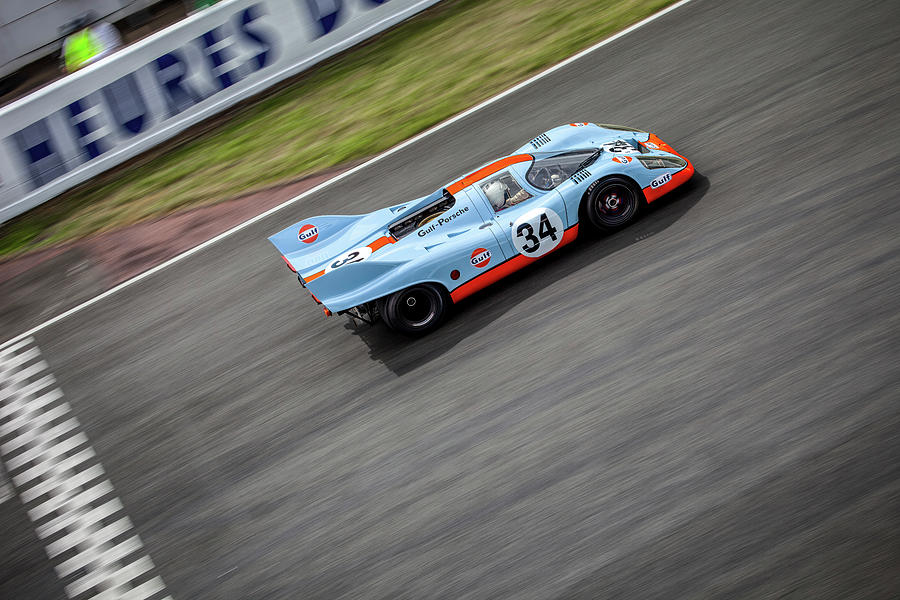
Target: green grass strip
371	98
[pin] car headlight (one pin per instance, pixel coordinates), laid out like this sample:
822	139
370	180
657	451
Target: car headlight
662	162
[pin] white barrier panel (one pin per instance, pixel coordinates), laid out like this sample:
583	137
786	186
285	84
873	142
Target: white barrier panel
97	118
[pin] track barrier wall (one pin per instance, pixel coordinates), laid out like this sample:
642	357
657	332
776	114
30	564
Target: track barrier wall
99	117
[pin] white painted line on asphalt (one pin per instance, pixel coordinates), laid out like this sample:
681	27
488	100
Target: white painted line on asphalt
348	173
89	539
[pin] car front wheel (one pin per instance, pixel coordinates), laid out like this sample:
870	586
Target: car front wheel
417	310
613	203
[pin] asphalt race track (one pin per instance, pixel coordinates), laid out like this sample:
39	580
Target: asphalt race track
705	405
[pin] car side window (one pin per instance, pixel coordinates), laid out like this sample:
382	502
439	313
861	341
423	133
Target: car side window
503	191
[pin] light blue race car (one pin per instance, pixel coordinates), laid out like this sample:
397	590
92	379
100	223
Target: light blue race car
409	263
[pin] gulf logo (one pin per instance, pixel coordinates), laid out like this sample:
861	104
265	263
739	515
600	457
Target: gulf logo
308	233
480	258
622	159
661	180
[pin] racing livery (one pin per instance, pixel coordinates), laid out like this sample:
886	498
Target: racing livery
409	263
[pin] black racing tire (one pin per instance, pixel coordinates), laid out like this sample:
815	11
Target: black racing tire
382	311
417	310
613	203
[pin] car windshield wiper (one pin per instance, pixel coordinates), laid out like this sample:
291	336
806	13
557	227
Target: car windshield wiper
590	159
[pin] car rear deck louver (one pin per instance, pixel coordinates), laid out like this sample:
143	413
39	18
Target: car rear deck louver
581	175
540	140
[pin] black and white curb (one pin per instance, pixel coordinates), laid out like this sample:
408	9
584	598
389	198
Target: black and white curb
56	474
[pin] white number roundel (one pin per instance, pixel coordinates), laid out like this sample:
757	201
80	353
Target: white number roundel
351	256
537	232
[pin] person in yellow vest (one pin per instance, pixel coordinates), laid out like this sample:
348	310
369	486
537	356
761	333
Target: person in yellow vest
89	43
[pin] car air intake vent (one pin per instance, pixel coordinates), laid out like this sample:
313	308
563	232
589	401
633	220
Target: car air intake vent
581	175
540	140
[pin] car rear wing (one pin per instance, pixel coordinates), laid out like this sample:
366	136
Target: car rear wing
311	242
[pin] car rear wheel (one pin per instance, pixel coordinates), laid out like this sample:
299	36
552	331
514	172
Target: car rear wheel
613	203
416	310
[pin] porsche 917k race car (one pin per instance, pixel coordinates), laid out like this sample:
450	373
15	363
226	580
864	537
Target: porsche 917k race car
409	263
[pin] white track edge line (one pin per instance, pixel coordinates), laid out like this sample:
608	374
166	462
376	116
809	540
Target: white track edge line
345	174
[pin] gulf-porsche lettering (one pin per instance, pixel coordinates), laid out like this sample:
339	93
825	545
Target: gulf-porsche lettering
661	180
652	145
480	258
441	221
308	233
624	160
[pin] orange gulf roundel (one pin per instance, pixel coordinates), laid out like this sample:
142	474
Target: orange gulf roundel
480	258
308	233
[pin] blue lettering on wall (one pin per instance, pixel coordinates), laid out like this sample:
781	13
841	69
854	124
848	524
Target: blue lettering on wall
84	126
126	104
325	13
43	162
218	58
245	17
170	71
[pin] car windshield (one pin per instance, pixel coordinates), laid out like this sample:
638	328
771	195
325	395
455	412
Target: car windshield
547	173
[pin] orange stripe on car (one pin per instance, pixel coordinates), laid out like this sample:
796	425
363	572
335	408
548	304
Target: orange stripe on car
376	245
309	278
382	242
486	171
506	268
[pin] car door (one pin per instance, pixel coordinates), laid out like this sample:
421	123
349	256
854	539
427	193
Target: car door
532	220
488	241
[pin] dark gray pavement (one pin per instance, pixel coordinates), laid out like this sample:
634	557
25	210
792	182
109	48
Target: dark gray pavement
25	571
705	405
